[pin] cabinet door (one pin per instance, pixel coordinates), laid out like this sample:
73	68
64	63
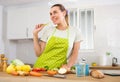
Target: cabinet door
17	23
37	15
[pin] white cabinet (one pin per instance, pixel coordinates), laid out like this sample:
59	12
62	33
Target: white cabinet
17	22
22	21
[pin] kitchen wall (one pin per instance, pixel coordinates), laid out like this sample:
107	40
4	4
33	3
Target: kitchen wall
1	25
106	38
106	34
20	48
107	20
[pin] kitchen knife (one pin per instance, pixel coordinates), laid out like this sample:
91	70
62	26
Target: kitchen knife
57	76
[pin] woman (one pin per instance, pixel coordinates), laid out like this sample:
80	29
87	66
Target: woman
58	46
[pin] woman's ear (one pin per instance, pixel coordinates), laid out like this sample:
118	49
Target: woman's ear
64	13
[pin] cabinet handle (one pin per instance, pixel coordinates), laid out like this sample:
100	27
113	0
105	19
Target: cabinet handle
27	32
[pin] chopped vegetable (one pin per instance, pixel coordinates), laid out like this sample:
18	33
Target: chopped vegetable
37	74
38	69
51	72
62	71
15	73
46	67
72	68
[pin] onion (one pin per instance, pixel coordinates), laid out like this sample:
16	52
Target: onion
62	71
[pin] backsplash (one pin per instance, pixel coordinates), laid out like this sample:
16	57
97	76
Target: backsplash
25	51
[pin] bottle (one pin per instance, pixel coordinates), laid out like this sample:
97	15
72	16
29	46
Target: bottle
87	70
83	66
77	69
80	68
86	67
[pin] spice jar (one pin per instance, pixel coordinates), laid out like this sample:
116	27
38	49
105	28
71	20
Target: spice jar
4	64
1	61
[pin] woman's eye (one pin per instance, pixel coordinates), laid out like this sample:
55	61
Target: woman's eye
54	12
50	14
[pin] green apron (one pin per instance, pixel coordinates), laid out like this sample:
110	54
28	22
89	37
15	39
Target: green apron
55	53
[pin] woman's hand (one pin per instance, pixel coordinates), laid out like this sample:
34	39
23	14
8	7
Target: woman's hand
38	28
66	67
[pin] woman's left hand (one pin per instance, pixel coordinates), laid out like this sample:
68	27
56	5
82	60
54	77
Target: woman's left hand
66	67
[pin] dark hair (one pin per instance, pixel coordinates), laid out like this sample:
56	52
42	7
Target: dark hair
62	8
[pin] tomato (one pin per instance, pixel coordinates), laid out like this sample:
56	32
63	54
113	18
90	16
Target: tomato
43	69
38	69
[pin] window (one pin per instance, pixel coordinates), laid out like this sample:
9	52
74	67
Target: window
84	19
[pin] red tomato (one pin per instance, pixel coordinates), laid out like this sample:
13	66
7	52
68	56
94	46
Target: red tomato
38	69
43	69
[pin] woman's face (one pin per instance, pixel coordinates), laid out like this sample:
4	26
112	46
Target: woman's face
56	15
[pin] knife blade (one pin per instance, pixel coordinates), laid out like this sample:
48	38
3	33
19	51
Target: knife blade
57	76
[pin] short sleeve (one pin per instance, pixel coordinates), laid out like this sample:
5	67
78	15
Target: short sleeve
78	36
44	37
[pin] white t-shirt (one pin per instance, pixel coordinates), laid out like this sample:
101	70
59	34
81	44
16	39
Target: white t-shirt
74	36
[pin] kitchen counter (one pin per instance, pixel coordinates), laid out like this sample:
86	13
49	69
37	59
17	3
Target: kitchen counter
4	77
106	67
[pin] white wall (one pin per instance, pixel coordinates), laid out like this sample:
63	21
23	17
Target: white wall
107	21
106	35
107	27
106	38
1	29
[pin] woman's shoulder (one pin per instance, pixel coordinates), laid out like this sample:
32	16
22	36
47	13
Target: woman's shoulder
74	29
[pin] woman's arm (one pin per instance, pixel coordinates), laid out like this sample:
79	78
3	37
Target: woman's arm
73	56
38	46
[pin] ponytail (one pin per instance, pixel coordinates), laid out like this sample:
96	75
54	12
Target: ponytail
66	18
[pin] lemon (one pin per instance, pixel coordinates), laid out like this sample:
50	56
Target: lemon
94	64
26	68
18	68
10	68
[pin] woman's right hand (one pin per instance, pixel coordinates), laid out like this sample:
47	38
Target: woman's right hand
38	28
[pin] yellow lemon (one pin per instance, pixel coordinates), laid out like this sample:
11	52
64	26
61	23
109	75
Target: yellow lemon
18	68
26	68
94	64
10	68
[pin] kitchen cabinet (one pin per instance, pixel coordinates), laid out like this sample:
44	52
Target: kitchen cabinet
22	20
16	24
